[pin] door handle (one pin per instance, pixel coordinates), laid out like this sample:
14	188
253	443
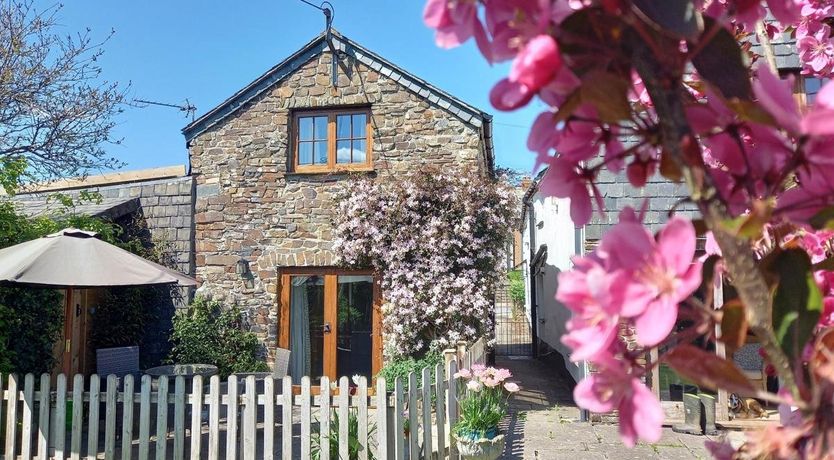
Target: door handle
326	328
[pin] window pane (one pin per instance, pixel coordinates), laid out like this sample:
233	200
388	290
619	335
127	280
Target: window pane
306	333
343	126
321	128
321	152
305	153
359	151
354	345
305	128
343	152
360	123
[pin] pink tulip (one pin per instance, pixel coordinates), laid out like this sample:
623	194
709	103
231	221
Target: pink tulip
511	387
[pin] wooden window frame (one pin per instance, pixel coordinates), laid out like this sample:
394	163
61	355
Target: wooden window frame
332	165
330	275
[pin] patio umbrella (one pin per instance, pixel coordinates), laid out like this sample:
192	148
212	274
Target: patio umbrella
75	258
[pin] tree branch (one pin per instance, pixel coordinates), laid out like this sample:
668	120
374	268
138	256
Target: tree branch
665	87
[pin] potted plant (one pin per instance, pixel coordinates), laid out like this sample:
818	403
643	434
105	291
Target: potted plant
485	392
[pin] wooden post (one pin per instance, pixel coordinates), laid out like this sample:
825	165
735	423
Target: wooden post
179	417
269	418
382	417
413	427
440	409
127	418
145	418
28	406
196	415
214	418
77	416
399	419
110	417
92	424
69	316
426	403
324	419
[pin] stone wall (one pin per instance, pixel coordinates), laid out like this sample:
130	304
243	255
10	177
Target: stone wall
248	203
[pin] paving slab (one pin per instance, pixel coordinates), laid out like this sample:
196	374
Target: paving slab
544	423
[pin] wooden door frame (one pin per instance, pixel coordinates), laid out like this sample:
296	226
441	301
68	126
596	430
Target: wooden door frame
330	311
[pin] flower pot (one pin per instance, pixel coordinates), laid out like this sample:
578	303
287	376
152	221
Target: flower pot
477	447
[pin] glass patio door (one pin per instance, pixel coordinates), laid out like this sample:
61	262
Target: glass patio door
330	324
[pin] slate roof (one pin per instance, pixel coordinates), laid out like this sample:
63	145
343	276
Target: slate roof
466	112
111	208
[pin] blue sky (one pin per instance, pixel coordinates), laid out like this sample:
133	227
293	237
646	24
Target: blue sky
207	50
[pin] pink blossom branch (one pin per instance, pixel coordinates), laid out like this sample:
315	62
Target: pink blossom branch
665	87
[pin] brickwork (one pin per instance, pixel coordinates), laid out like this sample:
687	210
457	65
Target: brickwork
250	205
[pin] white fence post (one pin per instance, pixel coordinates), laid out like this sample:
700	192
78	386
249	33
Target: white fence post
145	417
344	414
127	419
324	419
11	416
179	417
45	401
399	420
452	407
60	424
382	417
413	427
286	418
306	416
362	416
161	417
196	416
77	416
440	409
214	418
231	417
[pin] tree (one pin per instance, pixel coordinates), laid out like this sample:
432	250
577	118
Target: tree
666	87
55	111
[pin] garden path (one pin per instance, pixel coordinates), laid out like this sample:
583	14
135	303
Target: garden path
544	423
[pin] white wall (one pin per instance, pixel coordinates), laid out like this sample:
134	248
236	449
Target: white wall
551	226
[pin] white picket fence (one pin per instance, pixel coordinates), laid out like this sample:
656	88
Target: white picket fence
237	418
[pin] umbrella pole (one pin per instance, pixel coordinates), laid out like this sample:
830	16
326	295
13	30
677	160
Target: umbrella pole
69	315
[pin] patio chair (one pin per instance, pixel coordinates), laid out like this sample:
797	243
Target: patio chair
119	361
282	363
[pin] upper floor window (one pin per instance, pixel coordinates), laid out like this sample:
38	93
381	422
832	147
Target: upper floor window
331	140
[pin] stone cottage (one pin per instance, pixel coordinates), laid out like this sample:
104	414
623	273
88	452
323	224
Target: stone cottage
266	163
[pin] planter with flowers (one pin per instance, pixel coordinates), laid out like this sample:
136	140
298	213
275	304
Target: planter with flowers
483	404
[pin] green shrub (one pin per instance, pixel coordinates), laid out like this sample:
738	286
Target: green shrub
516	287
402	366
207	333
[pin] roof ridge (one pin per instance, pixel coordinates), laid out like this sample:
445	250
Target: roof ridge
279	71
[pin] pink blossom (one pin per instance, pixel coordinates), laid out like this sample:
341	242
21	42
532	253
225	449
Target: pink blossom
662	273
455	21
474	385
591	294
537	62
534	67
612	387
490	382
512	23
511	387
566	179
463	374
509	95
816	50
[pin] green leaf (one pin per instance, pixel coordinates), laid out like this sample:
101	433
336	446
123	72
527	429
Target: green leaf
707	370
720	63
797	303
678	18
824	219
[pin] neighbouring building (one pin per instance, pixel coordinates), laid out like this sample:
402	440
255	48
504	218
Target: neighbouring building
266	163
158	203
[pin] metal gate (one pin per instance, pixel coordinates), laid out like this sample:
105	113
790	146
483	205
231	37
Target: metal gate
513	336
